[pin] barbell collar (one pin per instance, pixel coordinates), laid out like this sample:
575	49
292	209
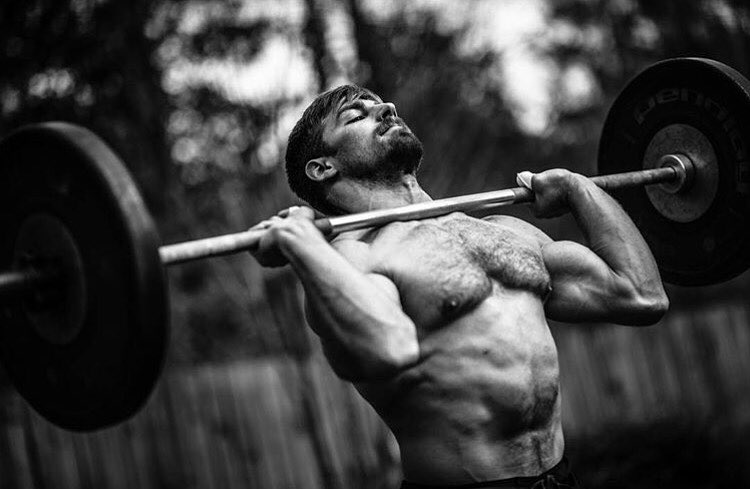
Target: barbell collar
685	173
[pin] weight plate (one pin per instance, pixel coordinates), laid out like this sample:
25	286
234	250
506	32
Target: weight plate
64	195
708	241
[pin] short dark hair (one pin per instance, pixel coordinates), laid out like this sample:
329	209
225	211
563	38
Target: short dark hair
306	142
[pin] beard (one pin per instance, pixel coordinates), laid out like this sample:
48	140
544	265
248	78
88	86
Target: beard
405	152
400	154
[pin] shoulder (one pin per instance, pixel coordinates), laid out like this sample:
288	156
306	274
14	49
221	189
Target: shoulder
520	226
354	249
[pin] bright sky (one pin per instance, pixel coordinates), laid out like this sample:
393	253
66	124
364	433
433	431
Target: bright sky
506	26
283	71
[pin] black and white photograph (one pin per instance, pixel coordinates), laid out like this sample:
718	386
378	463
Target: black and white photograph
374	244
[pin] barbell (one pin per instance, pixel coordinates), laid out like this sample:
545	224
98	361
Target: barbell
83	299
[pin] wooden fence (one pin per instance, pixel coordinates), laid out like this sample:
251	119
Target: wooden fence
286	422
272	423
695	364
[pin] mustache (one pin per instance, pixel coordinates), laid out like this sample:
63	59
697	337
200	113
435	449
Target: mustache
389	122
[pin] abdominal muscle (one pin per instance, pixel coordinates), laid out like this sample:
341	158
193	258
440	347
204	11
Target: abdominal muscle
482	401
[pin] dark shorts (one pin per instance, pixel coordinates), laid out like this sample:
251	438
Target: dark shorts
558	477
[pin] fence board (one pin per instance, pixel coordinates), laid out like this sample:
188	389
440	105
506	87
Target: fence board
15	470
286	423
693	364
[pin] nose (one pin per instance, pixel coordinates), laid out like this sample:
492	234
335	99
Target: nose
385	109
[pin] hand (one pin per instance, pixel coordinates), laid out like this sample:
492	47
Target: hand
551	189
291	226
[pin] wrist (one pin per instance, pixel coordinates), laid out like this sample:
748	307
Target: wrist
293	244
577	185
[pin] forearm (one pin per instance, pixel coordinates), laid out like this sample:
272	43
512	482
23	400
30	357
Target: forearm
612	235
354	316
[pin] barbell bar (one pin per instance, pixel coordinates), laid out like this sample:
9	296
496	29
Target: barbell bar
174	254
84	316
233	243
30	279
24	281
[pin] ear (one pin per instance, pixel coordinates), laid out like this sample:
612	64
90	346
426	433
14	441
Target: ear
320	169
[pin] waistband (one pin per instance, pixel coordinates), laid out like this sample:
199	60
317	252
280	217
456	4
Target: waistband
558	477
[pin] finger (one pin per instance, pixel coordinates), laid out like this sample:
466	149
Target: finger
304	212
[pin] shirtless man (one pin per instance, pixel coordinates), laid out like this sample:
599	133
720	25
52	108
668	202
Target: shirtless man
441	324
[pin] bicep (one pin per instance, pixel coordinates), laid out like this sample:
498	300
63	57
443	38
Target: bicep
375	340
584	287
366	308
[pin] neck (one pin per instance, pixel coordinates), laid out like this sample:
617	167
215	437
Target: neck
360	196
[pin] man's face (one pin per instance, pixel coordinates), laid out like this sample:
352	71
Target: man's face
370	141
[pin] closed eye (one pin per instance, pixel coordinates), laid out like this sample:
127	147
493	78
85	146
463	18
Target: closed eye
356	118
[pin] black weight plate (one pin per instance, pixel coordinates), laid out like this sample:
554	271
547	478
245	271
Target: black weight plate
107	371
714	99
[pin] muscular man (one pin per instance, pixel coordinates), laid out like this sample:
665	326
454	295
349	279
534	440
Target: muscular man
441	324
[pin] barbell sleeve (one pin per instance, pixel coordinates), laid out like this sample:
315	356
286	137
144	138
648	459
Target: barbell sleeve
14	282
246	240
665	174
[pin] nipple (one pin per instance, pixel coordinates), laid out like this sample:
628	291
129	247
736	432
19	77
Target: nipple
450	306
547	293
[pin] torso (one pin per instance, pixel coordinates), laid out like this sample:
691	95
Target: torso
482	401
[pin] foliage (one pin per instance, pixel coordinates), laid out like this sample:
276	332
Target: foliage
209	159
87	62
614	40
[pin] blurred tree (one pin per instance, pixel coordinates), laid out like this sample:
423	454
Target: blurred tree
598	45
88	62
451	99
226	180
314	34
614	40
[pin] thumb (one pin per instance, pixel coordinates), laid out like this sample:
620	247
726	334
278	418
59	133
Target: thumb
525	179
304	212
